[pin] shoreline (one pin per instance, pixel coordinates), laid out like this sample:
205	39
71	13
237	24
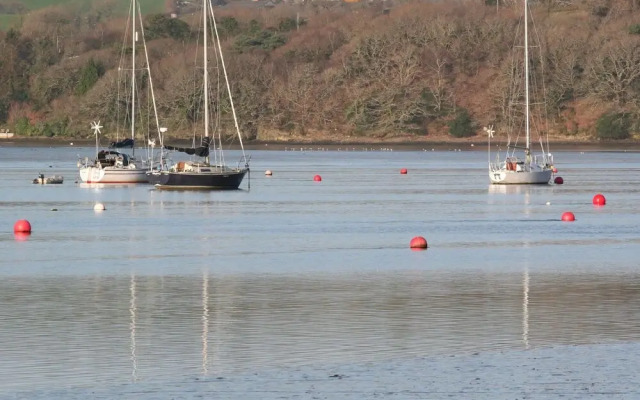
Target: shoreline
320	145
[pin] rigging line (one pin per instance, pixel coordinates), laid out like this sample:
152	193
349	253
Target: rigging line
218	154
226	78
544	87
133	74
146	55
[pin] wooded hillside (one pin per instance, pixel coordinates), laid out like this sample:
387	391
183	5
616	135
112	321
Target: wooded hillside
335	71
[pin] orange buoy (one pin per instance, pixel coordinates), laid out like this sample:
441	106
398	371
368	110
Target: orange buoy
599	200
558	180
22	226
403	171
418	242
317	178
568	216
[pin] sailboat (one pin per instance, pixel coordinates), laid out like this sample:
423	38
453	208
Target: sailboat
203	173
520	166
112	165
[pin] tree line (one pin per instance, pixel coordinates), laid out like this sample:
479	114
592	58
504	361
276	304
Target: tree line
334	70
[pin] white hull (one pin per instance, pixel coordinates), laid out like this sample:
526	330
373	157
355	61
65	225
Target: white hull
506	177
42	180
113	175
523	168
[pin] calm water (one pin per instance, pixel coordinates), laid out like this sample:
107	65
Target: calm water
294	272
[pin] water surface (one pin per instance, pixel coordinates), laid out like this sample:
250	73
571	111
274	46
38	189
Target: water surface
291	272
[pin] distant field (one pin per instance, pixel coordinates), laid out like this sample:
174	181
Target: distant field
8	21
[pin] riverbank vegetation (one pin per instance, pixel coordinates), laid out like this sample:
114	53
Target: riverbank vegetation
334	71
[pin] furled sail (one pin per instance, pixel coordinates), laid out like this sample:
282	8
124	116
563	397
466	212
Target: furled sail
122	144
200	151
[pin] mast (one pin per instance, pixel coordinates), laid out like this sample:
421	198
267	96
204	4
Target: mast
526	74
206	82
133	74
153	96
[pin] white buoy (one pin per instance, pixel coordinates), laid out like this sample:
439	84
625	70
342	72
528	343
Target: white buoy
548	203
99	207
268	172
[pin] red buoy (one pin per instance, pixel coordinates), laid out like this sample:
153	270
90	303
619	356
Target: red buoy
317	178
599	200
403	171
22	226
554	170
568	216
418	242
558	180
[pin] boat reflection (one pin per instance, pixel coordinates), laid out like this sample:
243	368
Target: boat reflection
205	323
132	325
136	327
525	308
510	189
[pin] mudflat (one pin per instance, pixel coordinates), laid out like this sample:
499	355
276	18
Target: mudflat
427	144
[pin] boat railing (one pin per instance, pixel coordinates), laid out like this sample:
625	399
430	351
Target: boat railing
497	166
85	162
544	159
244	161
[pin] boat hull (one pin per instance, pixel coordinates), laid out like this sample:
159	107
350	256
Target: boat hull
506	177
225	180
113	175
49	180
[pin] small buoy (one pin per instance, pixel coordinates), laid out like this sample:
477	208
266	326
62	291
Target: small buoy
568	216
317	178
599	200
99	207
71	144
22	226
558	180
268	172
403	171
555	170
548	203
418	242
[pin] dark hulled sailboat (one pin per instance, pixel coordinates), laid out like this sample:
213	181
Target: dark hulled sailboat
203	174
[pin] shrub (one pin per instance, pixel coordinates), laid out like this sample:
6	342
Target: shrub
634	29
266	40
600	11
228	26
290	24
462	125
89	75
159	26
23	127
613	126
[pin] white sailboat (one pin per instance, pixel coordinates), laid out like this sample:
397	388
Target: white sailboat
113	165
210	171
520	166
